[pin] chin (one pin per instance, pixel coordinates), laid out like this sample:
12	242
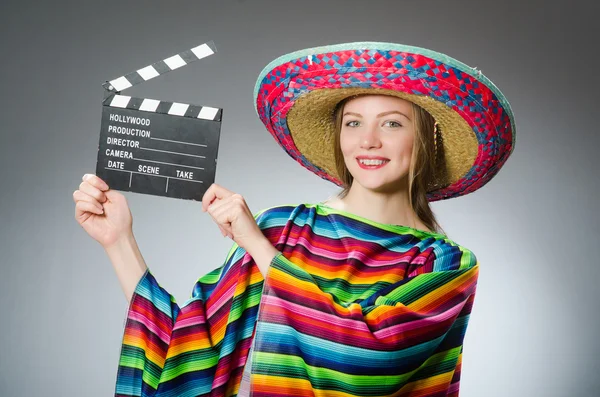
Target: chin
378	183
375	183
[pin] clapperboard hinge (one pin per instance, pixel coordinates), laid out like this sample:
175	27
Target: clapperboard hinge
113	88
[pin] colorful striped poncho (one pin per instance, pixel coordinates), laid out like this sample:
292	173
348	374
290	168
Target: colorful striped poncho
350	307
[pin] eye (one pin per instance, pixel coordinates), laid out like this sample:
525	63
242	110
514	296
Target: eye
393	124
349	123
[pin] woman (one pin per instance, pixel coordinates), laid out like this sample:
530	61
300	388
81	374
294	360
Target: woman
338	298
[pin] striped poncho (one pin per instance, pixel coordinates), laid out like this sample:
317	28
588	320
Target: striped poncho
349	307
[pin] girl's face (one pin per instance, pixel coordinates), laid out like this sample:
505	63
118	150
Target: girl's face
377	127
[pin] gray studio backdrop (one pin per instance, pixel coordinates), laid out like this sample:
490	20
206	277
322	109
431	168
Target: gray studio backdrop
534	228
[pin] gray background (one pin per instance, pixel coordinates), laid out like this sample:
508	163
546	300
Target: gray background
534	228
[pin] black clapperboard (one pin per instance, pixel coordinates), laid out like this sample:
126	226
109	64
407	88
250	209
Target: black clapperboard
154	147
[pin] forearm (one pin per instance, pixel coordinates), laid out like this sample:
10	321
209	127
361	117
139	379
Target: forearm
263	253
128	263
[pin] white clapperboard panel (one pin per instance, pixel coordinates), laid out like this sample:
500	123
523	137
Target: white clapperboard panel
155	147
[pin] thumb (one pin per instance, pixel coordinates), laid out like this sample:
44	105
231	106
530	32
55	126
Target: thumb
113	195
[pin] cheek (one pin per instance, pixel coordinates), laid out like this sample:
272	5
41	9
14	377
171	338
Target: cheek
405	145
346	146
408	146
402	149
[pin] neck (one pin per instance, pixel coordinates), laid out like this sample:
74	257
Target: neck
383	207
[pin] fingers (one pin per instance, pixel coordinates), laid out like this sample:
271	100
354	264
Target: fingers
224	232
115	197
81	207
95	181
78	195
219	215
218	201
90	195
94	186
214	192
224	212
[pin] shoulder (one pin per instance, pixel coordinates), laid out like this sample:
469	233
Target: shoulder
450	255
277	215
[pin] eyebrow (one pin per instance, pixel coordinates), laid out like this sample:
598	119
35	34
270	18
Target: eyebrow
379	115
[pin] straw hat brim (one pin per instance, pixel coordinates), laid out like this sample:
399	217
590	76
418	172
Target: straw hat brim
296	94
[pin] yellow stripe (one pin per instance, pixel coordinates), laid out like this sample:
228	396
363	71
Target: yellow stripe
140	344
437	380
344	274
242	285
284	383
446	289
197	344
306	286
426	300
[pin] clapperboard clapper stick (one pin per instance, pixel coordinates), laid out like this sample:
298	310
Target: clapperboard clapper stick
155	147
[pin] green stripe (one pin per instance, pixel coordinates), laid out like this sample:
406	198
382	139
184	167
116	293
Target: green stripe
418	287
324	378
195	360
438	364
133	357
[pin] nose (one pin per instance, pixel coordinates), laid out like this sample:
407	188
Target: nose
370	137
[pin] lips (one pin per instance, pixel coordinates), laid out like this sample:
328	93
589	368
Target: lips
372	158
370	167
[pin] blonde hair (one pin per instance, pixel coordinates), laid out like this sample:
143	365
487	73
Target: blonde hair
425	168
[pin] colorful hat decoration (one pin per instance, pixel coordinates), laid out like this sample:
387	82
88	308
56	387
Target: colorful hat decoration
295	96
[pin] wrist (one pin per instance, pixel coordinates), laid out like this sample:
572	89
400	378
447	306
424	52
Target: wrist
263	253
127	262
125	255
125	242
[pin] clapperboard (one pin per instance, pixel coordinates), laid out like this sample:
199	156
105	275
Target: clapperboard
155	147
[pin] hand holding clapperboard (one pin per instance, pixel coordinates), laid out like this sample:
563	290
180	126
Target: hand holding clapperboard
160	148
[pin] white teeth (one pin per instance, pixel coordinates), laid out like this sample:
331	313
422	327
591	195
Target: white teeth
372	162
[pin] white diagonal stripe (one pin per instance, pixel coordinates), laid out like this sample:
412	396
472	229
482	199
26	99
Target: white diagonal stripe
178	109
120	84
175	62
202	51
148	72
149	105
208	113
120	101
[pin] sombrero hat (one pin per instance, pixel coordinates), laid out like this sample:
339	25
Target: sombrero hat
295	96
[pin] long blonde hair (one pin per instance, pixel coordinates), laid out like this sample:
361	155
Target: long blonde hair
425	167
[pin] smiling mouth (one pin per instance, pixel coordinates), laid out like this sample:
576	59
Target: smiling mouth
372	164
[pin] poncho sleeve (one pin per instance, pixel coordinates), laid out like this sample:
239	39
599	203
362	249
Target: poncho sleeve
404	339
201	346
